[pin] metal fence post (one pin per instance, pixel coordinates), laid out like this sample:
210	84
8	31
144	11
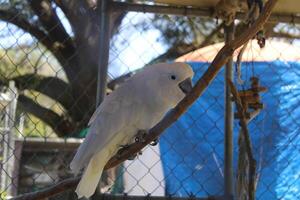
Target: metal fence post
8	143
228	142
104	50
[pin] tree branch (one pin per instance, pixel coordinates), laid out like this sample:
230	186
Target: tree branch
63	47
12	16
60	125
73	11
50	21
78	19
63	54
53	87
221	58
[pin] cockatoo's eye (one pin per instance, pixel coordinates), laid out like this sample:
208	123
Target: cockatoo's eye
173	77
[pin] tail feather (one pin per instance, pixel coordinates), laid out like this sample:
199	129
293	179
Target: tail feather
77	163
84	152
91	176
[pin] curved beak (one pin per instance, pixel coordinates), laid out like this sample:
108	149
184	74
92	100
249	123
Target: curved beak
186	85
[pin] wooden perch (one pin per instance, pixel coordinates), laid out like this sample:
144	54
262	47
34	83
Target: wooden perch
248	147
221	58
250	98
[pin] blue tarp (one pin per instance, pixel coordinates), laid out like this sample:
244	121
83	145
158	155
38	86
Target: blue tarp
192	148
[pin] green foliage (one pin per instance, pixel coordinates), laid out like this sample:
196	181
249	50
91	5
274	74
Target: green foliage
3	195
34	127
32	59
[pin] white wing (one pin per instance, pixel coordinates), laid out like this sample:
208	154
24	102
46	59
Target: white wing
120	109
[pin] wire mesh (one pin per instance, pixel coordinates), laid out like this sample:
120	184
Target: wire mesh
48	67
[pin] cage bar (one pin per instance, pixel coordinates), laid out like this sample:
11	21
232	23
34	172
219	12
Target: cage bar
104	53
191	11
228	119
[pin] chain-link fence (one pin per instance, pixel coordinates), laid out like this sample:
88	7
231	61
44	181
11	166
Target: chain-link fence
48	73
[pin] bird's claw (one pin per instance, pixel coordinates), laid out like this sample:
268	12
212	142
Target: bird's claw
132	157
141	136
124	148
154	142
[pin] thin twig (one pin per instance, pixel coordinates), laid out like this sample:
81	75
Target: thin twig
243	120
239	62
248	147
221	58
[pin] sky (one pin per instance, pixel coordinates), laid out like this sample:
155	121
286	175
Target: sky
130	49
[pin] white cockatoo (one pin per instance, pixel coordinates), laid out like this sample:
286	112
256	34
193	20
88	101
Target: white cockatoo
138	104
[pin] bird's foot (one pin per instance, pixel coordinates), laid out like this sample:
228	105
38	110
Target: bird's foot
135	155
141	136
124	148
